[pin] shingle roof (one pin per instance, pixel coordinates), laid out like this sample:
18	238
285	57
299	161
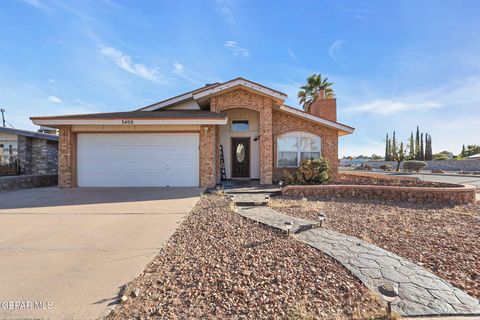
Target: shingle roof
31	134
165	114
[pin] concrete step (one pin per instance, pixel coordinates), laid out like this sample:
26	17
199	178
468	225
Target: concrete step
250	199
276	219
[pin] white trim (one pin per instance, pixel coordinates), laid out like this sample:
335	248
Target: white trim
239	82
167	102
318	119
122	121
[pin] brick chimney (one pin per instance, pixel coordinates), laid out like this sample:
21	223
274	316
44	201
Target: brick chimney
324	107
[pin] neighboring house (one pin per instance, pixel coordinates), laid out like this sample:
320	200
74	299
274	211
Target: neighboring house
474	157
27	152
177	142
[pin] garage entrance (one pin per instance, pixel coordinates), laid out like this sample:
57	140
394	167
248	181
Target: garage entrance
137	159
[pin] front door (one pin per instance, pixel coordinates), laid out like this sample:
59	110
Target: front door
240	157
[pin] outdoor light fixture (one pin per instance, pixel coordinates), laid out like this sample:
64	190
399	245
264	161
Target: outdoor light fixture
321	217
280	183
389	294
288	226
205	129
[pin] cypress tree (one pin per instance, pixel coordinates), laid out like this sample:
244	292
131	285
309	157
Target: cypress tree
386	148
463	154
428	147
417	145
422	153
389	150
394	146
411	147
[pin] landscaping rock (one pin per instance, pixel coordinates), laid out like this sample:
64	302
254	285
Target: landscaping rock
219	265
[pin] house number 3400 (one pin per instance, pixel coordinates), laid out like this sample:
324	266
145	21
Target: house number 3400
127	121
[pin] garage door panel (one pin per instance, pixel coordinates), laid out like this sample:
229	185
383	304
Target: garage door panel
138	180
155	152
137	160
138	166
133	139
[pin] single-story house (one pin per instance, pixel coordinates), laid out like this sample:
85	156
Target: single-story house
240	126
27	152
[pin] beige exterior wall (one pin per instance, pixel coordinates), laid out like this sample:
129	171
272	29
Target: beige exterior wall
132	128
226	135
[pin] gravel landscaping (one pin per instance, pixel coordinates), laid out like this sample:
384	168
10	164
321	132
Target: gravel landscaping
219	265
442	239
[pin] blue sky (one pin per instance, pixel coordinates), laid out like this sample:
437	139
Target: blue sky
394	64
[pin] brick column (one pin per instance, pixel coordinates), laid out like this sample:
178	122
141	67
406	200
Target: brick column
65	157
266	142
207	156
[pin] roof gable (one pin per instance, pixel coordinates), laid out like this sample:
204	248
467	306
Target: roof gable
205	93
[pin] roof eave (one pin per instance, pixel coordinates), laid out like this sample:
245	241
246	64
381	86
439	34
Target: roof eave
341	128
56	122
239	82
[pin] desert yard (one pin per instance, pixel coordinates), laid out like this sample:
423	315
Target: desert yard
443	239
220	265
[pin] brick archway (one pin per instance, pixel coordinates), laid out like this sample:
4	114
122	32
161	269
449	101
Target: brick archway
244	99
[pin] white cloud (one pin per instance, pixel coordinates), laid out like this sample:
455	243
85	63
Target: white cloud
225	8
333	50
188	74
54	99
387	107
292	55
235	49
125	62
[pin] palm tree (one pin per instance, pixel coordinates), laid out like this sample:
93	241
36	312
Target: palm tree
315	88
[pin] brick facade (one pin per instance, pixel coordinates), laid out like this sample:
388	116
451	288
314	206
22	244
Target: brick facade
207	156
273	123
244	99
325	108
65	166
284	123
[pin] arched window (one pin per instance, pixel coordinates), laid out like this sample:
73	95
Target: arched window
293	147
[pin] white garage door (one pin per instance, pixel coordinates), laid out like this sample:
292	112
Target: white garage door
137	159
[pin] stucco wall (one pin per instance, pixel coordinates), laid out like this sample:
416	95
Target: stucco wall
284	123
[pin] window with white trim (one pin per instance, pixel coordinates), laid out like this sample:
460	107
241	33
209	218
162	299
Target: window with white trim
293	147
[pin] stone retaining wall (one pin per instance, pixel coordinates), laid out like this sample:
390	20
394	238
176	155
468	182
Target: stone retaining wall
27	181
454	195
447	165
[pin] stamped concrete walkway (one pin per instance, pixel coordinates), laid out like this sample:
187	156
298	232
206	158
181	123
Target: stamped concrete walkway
421	293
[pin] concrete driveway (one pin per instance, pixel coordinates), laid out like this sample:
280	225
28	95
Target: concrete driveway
70	250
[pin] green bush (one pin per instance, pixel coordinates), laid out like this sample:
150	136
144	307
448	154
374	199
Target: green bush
386	167
440	157
309	172
413	165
